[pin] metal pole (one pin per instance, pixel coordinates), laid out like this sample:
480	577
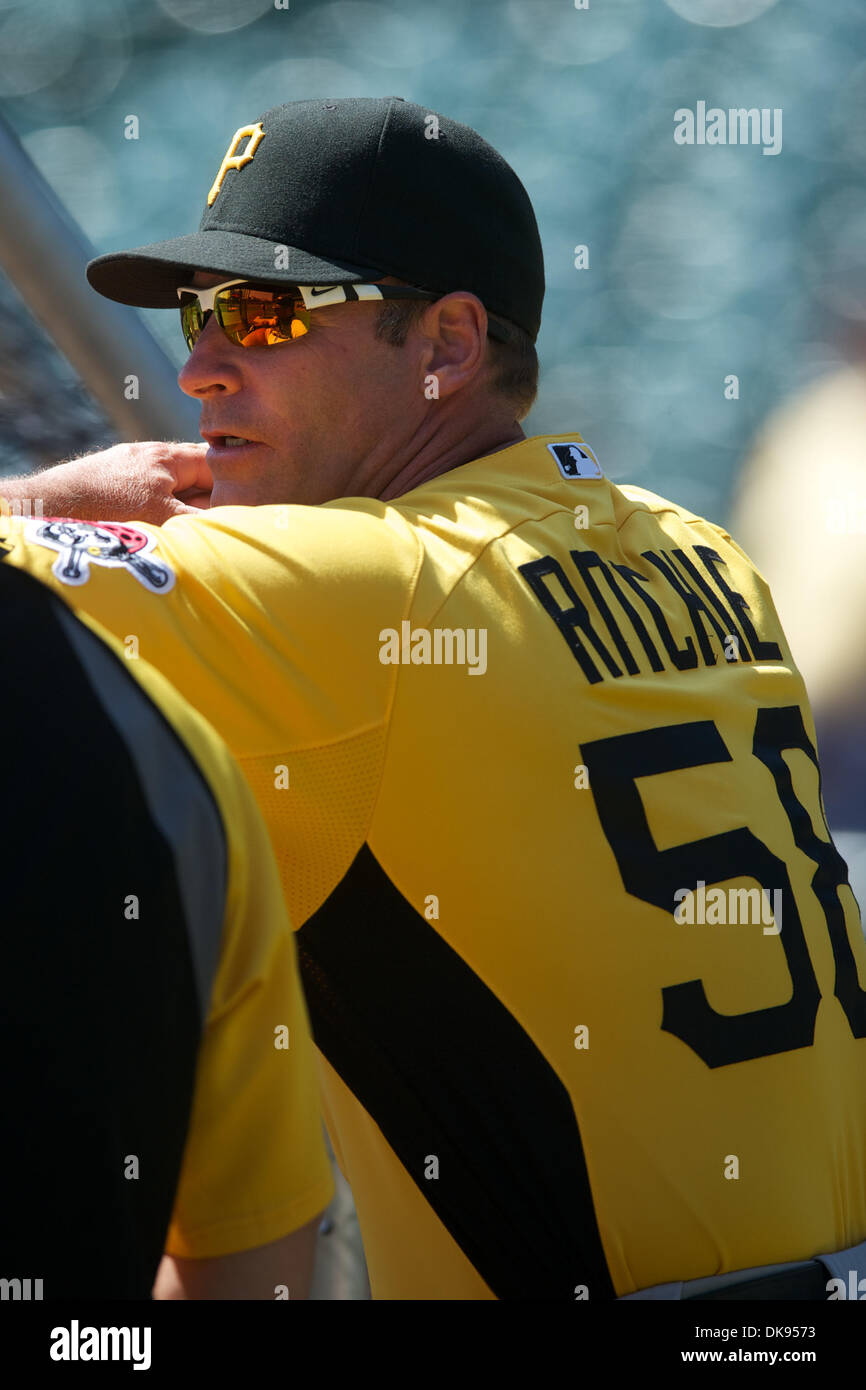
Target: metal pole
44	254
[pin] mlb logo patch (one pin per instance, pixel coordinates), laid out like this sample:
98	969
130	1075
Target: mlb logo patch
575	460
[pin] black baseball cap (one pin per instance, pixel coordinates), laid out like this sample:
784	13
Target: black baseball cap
347	190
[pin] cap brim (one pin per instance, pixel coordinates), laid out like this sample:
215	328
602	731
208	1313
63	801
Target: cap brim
148	276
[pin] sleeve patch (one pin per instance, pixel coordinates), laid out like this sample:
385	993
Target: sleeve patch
85	543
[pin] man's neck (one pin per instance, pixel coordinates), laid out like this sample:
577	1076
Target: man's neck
433	460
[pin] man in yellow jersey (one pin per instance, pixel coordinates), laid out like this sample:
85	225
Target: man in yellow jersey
159	1087
583	967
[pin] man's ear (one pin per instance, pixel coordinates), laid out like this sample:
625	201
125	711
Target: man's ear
455	327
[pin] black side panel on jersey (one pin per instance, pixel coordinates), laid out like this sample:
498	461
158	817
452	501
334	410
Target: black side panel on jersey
446	1071
100	1021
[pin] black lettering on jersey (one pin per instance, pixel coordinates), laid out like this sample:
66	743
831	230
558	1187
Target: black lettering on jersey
704	608
615	765
763	651
684	658
730	628
442	1066
633	616
694	603
586	560
569	620
777	731
651	874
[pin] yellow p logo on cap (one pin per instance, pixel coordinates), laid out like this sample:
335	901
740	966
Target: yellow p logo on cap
255	134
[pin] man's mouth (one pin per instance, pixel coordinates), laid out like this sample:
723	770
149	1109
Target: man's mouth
218	442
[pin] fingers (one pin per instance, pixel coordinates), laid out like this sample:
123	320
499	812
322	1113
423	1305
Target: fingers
195	500
190	504
187	463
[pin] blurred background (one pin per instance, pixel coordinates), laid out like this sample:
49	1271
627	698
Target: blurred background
711	346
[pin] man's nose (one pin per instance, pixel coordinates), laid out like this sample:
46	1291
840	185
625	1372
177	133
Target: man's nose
210	367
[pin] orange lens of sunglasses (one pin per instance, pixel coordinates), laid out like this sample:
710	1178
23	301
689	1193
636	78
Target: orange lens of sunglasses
249	317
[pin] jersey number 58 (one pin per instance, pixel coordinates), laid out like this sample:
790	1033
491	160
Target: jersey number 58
654	875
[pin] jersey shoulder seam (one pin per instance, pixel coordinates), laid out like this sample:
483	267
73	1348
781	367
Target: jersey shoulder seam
420	556
279	749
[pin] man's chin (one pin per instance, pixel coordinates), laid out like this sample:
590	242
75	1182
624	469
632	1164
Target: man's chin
267	489
233	495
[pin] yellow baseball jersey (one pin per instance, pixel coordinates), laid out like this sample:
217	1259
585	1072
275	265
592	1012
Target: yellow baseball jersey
253	1165
581	959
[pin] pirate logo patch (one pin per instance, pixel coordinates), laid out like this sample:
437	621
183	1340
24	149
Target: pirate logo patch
85	543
